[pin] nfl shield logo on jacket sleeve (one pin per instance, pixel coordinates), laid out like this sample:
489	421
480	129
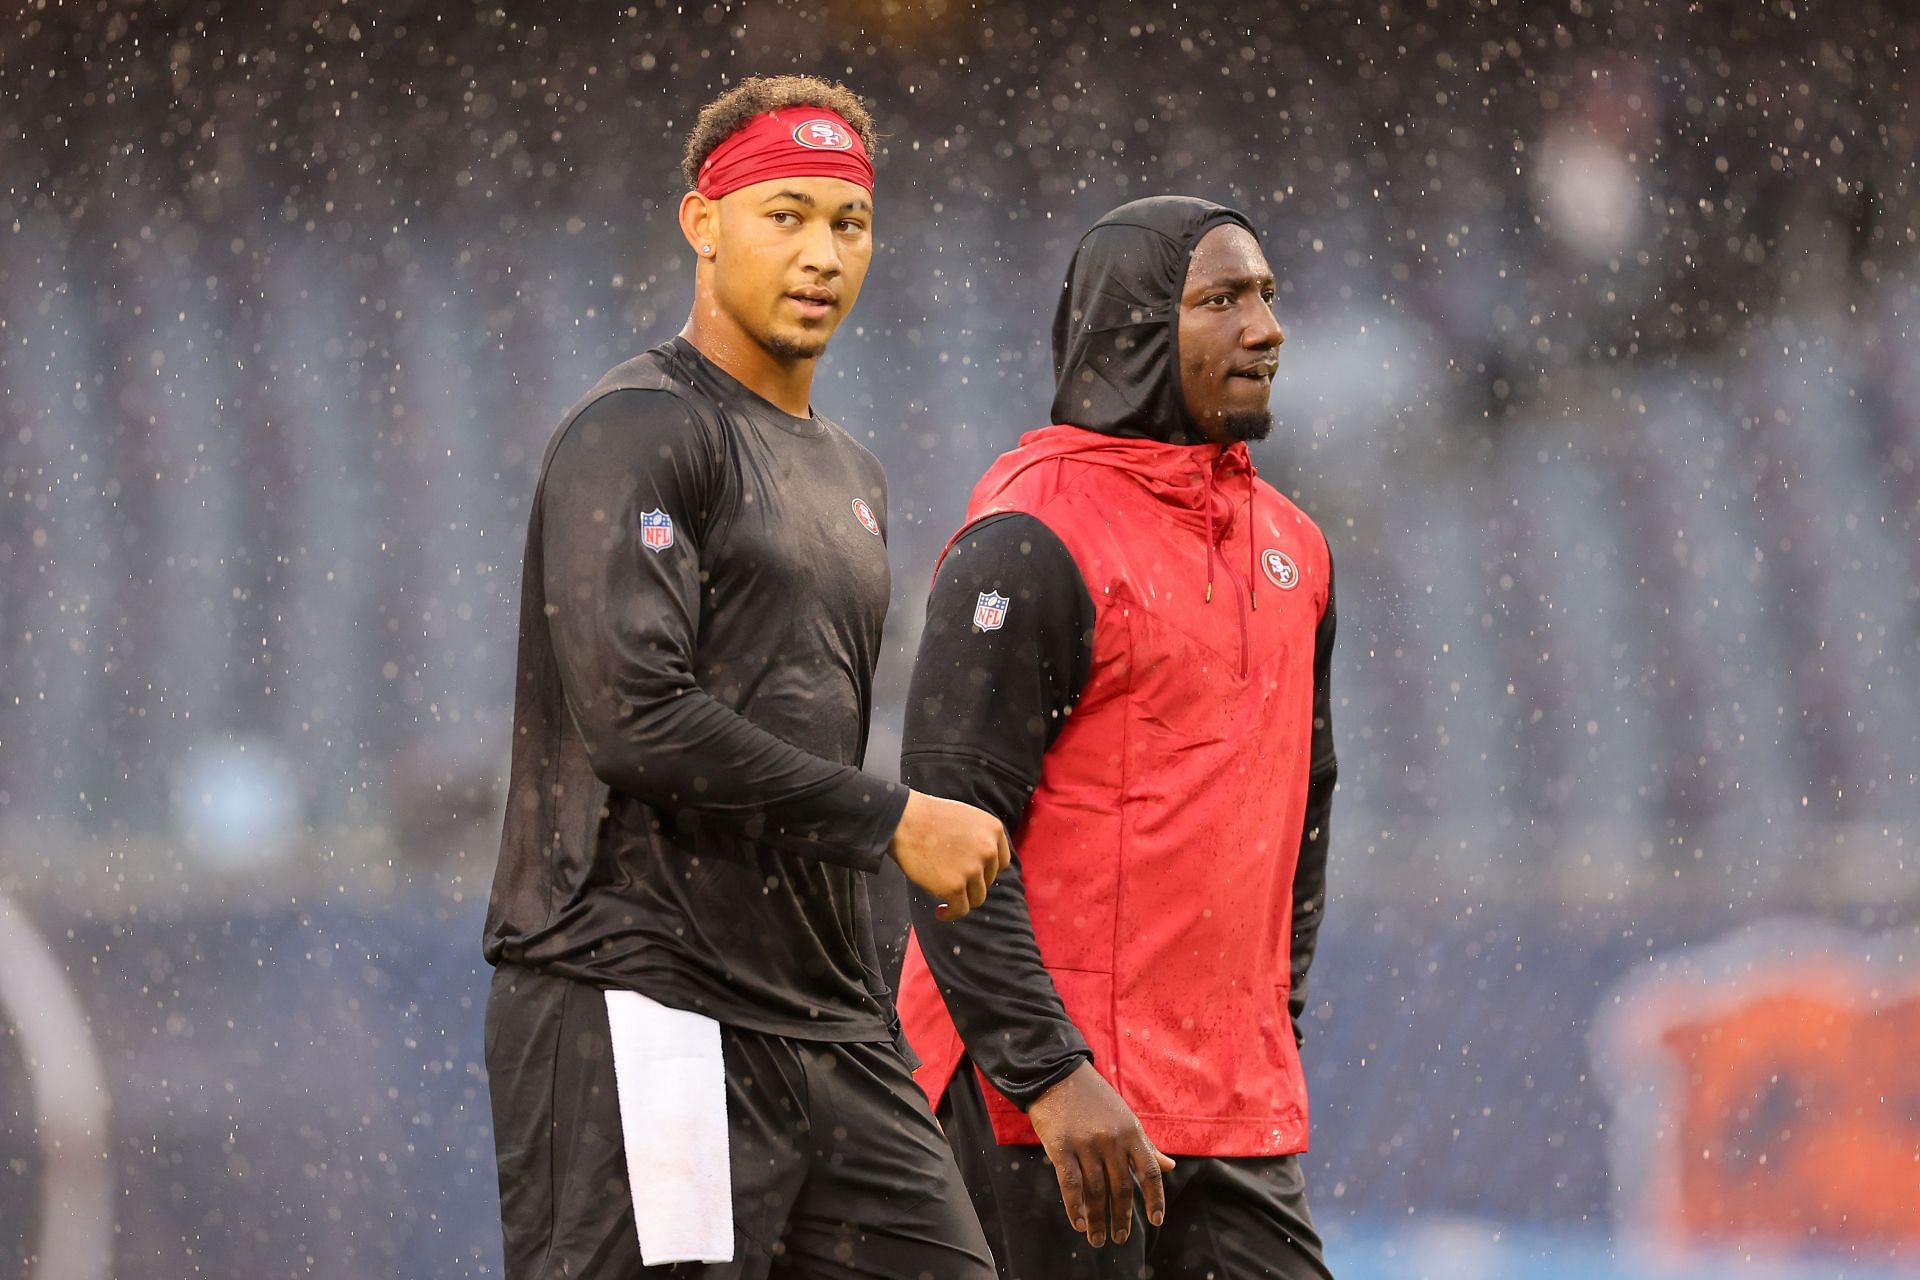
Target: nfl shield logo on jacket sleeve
656	530
990	614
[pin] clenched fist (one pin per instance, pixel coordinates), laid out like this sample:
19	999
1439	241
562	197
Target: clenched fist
950	849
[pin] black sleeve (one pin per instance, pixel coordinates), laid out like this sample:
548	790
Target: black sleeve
983	706
1323	770
625	622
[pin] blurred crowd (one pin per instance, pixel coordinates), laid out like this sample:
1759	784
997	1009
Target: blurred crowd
1601	375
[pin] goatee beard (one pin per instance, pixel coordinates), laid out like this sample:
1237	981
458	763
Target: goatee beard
1247	424
787	348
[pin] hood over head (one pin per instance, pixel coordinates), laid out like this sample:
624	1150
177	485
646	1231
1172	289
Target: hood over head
1116	331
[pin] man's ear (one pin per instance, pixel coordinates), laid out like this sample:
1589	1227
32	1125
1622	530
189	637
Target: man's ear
700	224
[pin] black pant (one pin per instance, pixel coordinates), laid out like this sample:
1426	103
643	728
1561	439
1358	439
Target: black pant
1227	1218
838	1168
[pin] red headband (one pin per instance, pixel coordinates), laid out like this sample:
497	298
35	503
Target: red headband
793	142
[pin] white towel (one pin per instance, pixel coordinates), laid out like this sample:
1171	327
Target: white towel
672	1085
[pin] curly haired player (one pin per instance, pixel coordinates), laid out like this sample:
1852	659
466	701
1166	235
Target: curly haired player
691	1054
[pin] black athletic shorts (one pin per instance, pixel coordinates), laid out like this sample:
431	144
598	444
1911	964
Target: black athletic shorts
1227	1218
838	1168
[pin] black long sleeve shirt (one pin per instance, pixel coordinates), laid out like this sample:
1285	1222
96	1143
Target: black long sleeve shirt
704	587
982	710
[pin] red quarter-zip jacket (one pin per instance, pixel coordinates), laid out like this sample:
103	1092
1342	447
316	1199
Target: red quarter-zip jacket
1168	875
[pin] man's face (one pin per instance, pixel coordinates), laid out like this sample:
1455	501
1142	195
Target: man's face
789	257
1229	339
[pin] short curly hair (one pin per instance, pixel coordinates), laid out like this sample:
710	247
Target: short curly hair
757	95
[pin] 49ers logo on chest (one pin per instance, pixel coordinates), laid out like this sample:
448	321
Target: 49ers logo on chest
1280	569
864	514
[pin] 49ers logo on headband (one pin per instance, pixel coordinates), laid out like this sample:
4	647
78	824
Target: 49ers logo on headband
823	135
772	145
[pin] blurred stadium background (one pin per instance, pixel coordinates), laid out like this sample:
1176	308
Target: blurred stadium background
1602	375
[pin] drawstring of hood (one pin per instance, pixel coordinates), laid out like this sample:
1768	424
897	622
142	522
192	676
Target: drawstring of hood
1253	551
1208	503
1211	478
1253	554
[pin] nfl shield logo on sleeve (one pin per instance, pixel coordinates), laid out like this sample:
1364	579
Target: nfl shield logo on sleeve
990	614
656	530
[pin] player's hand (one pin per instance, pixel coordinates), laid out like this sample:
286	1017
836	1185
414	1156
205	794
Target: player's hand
1099	1151
952	850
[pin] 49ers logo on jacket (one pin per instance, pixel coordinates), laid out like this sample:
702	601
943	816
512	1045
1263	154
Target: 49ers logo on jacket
1280	569
864	514
990	614
823	135
656	530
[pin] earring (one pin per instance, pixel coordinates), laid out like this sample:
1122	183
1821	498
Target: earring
706	251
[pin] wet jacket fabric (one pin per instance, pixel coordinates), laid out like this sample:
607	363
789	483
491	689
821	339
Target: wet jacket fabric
704	586
1126	657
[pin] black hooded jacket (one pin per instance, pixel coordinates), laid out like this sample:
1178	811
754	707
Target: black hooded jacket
1116	329
984	707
